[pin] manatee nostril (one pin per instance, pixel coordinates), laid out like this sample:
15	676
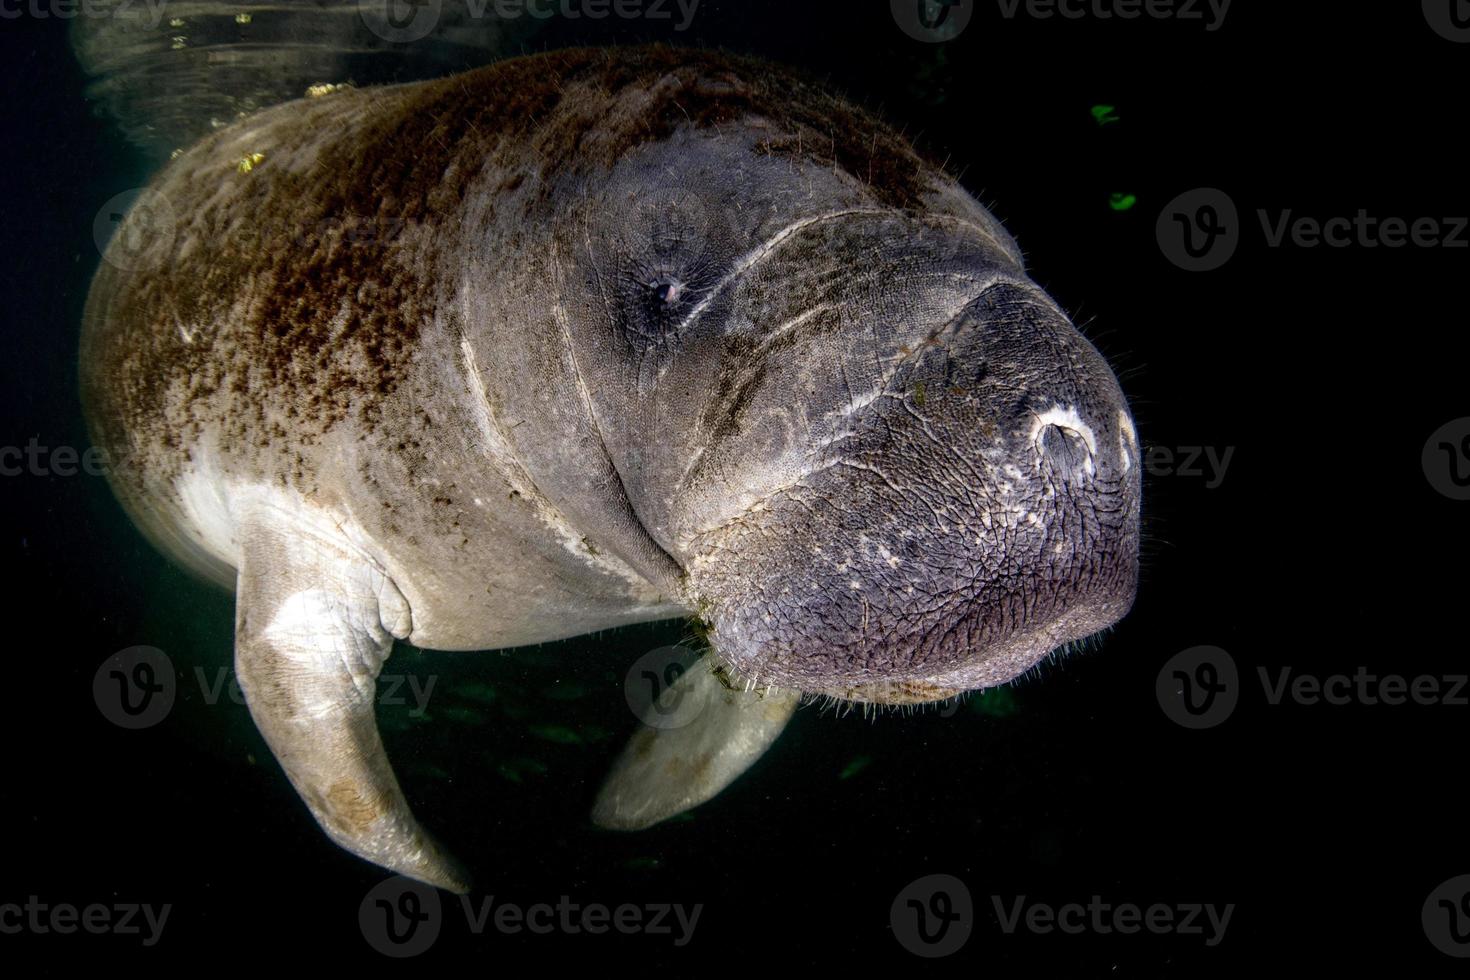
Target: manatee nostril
1064	440
1065	448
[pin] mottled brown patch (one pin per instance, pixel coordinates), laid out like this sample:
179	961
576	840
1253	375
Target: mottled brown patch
349	811
642	743
894	692
303	289
693	770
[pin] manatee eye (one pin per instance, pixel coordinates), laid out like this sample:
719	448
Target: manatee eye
658	298
664	301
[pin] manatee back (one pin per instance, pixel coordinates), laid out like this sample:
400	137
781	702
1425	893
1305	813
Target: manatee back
171	73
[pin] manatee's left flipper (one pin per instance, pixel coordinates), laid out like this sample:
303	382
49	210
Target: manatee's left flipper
314	621
694	741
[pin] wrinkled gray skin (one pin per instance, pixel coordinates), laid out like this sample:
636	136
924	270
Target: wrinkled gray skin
639	335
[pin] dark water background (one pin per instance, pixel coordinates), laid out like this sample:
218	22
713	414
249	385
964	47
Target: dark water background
1324	548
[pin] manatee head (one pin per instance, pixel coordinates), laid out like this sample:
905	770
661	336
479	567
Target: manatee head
885	464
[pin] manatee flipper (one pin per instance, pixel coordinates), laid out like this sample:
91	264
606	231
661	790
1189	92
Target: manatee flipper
669	768
314	621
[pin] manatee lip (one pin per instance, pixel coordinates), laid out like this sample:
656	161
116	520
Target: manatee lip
980	667
801	631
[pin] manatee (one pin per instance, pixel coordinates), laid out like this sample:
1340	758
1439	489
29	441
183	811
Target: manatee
591	338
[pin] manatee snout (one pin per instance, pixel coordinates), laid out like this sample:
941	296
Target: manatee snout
953	528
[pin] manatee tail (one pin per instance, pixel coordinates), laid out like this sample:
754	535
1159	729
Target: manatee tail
170	71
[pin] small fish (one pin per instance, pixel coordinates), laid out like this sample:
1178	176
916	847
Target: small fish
643	864
593	733
461	716
432	772
560	734
475	691
856	766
